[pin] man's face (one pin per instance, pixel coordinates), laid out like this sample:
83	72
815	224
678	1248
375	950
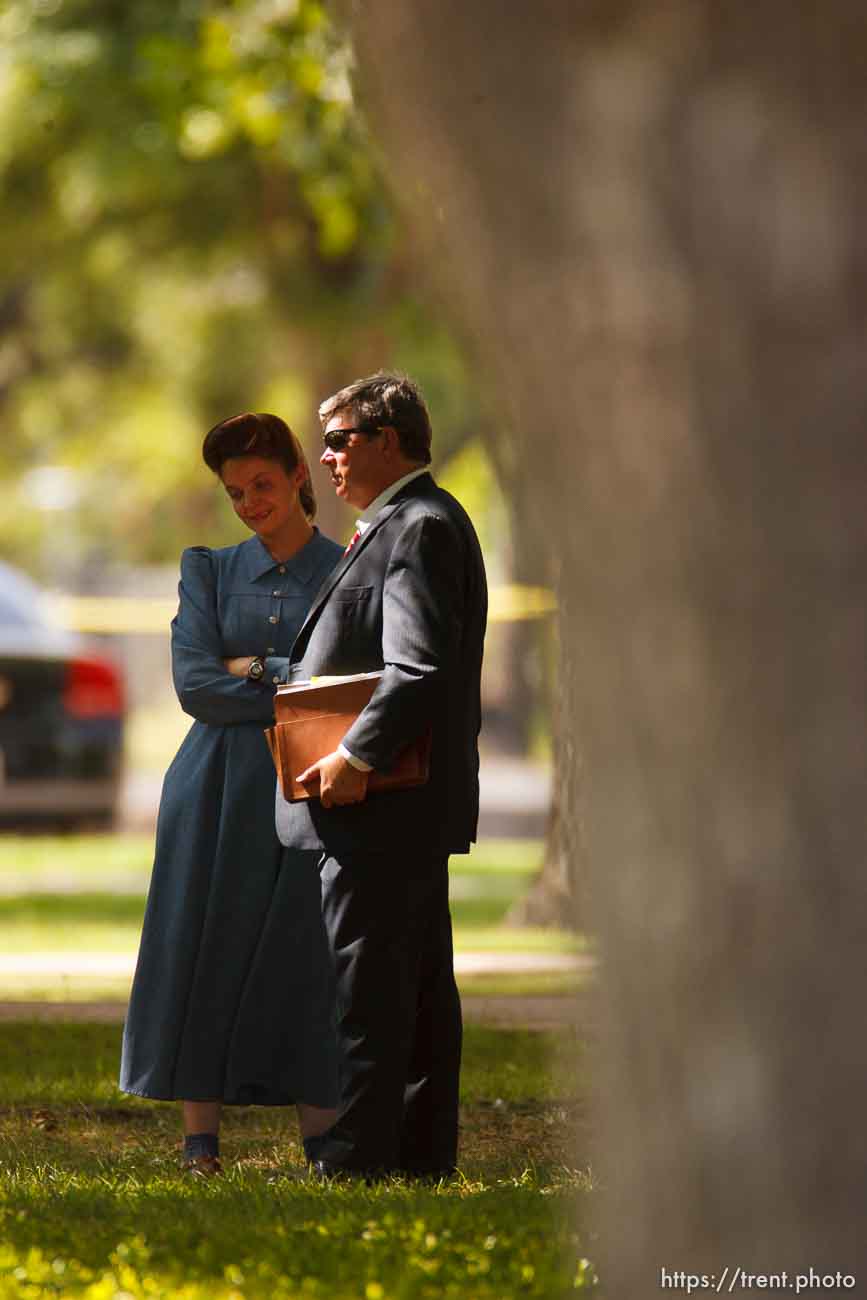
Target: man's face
359	470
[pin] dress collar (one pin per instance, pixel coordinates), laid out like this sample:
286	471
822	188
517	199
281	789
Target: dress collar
302	566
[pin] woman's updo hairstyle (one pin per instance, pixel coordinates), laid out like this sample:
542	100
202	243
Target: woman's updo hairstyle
259	435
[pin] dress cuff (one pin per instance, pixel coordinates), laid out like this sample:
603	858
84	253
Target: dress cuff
276	670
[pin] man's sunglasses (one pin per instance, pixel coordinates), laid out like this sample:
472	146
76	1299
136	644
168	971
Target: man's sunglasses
337	439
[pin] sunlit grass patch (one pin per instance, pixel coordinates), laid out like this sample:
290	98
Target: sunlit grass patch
248	1238
109	861
93	1203
106	922
504	857
525	984
36	988
85	894
62	1063
111	922
58	864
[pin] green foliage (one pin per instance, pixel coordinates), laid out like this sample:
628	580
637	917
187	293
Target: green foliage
193	214
470	477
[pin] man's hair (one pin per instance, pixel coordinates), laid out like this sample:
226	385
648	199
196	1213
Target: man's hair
386	399
259	435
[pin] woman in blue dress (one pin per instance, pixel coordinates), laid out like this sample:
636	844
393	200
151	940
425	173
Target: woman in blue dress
232	1001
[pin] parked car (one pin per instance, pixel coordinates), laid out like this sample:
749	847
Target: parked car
61	716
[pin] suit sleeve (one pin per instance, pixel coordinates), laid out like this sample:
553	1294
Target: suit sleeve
205	689
422	621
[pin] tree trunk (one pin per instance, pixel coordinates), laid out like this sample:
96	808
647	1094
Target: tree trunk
557	897
652	219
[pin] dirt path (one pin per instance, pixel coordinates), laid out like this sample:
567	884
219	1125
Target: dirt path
502	1012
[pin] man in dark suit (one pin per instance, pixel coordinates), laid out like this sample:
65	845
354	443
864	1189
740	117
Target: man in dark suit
409	597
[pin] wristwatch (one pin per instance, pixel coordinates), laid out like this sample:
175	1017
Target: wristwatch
256	671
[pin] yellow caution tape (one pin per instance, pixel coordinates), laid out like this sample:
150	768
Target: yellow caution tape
514	603
114	615
135	615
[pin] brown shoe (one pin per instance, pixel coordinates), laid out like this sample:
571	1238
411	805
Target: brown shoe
202	1166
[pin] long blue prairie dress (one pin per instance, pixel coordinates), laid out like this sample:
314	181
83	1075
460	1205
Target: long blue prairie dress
233	992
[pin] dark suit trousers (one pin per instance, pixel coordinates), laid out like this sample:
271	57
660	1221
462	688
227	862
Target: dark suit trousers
399	1014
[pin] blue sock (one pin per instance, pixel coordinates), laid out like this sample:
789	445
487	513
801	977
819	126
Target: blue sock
201	1144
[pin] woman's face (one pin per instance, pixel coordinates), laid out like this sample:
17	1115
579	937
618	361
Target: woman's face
263	495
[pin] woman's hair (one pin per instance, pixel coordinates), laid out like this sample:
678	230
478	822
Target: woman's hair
259	435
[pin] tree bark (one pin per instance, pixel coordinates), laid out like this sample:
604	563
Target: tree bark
652	217
557	897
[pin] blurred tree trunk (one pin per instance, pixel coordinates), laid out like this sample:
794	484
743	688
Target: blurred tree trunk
652	219
556	896
528	565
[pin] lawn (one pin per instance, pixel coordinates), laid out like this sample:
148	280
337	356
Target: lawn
85	894
93	1203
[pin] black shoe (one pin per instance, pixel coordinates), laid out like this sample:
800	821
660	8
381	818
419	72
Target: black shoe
323	1172
432	1176
320	1171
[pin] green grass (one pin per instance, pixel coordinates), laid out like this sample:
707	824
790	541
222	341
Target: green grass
85	893
93	1205
31	863
503	857
525	984
70	922
60	1063
105	861
111	922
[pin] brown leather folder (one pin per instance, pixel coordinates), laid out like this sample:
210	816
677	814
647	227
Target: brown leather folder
311	719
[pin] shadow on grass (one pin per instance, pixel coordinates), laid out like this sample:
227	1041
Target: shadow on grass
93	1199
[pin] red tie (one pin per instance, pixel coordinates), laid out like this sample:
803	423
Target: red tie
353	539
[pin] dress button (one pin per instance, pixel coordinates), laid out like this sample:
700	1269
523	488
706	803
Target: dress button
282	568
270	650
276	679
272	618
275	593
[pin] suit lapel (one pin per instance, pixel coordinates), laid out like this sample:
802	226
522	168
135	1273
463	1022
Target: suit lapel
416	488
345	564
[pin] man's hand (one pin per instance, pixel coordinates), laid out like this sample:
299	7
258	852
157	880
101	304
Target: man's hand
339	781
238	667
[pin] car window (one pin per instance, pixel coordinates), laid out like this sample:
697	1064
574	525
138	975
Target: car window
14	615
20	600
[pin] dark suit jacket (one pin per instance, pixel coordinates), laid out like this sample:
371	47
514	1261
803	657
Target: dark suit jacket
410	598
